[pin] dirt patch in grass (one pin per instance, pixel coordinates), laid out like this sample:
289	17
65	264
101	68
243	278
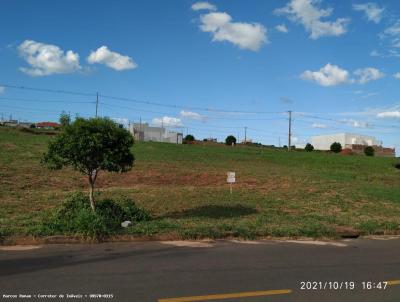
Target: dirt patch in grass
8	146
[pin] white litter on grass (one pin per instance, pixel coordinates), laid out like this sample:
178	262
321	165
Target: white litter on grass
126	224
316	242
20	247
189	243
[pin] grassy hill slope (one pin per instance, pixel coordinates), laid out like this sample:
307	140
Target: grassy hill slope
278	193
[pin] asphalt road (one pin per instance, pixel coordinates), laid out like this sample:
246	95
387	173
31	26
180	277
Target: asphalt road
219	271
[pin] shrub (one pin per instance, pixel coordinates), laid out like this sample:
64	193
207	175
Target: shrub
309	147
369	151
3	235
189	138
397	166
75	217
230	139
336	147
132	212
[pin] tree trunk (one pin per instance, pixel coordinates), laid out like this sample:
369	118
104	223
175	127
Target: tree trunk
91	192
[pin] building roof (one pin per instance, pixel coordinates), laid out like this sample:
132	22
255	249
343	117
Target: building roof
48	124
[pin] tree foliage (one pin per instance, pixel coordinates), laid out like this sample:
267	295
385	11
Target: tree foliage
230	139
65	119
336	147
309	147
369	151
189	138
89	146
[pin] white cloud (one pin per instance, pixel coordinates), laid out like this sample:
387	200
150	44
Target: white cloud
393	34
375	53
372	11
307	13
192	115
47	59
111	59
245	35
329	75
357	124
397	75
393	30
368	74
121	120
319	126
203	6
282	28
167	121
332	75
2	89
389	114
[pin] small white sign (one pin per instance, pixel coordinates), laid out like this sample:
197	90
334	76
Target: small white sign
231	177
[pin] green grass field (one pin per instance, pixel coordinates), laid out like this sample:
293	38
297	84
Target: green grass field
278	193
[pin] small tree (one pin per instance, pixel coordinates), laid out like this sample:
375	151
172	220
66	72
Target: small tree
189	138
230	139
91	145
309	147
369	151
65	119
336	147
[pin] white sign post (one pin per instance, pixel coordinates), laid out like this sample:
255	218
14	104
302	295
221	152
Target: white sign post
231	179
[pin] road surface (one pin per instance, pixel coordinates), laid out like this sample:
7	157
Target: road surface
204	271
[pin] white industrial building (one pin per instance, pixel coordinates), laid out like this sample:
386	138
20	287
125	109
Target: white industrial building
354	142
144	132
324	142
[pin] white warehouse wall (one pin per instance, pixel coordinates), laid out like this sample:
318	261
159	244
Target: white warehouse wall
324	142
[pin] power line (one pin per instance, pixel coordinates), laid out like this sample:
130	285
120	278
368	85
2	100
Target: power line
97	102
344	121
43	101
139	101
48	90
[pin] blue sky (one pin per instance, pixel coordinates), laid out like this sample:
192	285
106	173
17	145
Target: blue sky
334	63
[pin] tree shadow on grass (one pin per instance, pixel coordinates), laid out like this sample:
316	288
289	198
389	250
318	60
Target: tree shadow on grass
214	211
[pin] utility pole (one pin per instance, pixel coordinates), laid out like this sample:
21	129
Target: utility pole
162	127
97	102
245	134
290	130
279	141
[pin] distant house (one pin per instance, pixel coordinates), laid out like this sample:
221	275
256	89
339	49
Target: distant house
10	123
210	139
144	132
354	142
26	125
47	125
